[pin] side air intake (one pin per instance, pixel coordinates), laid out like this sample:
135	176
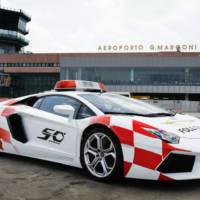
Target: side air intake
16	128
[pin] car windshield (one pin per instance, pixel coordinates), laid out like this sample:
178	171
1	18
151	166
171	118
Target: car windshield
110	103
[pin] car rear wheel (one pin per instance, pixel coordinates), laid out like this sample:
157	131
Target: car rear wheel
101	155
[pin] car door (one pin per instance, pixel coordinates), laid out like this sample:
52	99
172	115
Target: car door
51	136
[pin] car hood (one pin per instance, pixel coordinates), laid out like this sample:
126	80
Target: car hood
182	125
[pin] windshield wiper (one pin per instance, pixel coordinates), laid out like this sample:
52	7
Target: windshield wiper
144	115
160	114
119	113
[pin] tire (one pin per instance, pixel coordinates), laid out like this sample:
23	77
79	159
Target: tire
101	155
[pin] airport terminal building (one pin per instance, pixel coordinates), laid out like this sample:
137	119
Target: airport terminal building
165	75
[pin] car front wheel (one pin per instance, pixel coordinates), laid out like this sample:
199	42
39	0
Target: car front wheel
101	155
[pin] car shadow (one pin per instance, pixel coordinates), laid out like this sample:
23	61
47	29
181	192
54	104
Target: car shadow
187	185
160	185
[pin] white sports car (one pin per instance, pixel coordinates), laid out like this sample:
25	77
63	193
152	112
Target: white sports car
80	124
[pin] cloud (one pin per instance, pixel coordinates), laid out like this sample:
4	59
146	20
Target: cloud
80	26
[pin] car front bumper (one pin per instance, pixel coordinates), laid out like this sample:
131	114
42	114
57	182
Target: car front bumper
158	160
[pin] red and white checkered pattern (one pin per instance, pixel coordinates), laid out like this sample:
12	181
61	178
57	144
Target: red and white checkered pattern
143	152
5	135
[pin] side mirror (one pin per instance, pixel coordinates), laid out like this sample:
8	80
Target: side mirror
66	110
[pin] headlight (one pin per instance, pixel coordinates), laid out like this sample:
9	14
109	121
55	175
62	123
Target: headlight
164	135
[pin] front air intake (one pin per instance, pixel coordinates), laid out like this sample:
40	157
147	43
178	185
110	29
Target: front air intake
177	163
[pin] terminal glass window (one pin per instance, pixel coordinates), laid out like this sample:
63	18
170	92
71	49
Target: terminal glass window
159	76
108	75
194	74
22	24
73	73
131	75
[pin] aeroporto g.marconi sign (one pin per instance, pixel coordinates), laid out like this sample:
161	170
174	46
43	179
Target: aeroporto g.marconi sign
151	47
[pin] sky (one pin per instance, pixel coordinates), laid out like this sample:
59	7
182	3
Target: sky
84	25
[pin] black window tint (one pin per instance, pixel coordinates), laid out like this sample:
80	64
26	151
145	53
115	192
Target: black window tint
84	112
49	102
38	103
